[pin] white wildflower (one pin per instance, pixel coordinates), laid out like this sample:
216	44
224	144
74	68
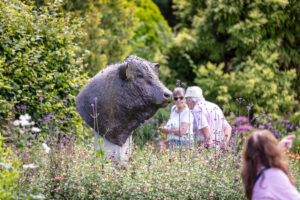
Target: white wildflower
16	123
24	120
36	129
31	166
46	148
25	117
32	123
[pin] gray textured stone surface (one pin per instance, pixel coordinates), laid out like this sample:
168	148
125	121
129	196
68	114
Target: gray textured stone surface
121	97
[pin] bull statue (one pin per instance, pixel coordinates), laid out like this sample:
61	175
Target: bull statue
119	98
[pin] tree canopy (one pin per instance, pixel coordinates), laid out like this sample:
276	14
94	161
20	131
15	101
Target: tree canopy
244	48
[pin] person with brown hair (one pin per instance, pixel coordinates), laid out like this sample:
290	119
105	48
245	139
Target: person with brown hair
265	171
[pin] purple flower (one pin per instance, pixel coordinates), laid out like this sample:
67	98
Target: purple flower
254	118
240	99
47	119
23	107
249	107
65	142
269	124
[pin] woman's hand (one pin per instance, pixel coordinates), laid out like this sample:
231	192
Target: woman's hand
163	129
286	142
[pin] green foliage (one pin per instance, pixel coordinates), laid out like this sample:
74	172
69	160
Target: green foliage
227	31
152	33
8	171
268	89
253	45
109	27
39	65
116	29
186	10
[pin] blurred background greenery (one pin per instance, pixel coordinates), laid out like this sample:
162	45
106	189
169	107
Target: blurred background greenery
248	49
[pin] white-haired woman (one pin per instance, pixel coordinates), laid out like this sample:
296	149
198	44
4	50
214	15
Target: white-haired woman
180	124
210	124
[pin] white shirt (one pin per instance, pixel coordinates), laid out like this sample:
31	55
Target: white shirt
208	114
176	119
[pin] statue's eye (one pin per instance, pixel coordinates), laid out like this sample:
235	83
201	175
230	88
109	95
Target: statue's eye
139	75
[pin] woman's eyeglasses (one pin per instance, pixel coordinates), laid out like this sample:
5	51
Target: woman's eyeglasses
176	98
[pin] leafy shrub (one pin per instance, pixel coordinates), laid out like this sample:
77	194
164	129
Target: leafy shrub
109	26
268	89
253	43
9	173
152	33
39	68
118	28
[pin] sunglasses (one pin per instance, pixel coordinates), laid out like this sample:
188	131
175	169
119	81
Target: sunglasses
176	98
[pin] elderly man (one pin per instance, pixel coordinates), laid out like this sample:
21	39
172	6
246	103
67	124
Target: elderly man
210	124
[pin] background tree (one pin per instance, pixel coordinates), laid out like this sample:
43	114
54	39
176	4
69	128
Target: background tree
152	33
241	37
109	26
116	29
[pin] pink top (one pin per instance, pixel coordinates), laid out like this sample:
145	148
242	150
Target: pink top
274	184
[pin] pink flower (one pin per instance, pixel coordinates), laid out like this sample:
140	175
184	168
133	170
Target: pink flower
261	126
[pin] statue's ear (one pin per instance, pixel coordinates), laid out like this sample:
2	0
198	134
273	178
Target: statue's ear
122	71
156	68
126	71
